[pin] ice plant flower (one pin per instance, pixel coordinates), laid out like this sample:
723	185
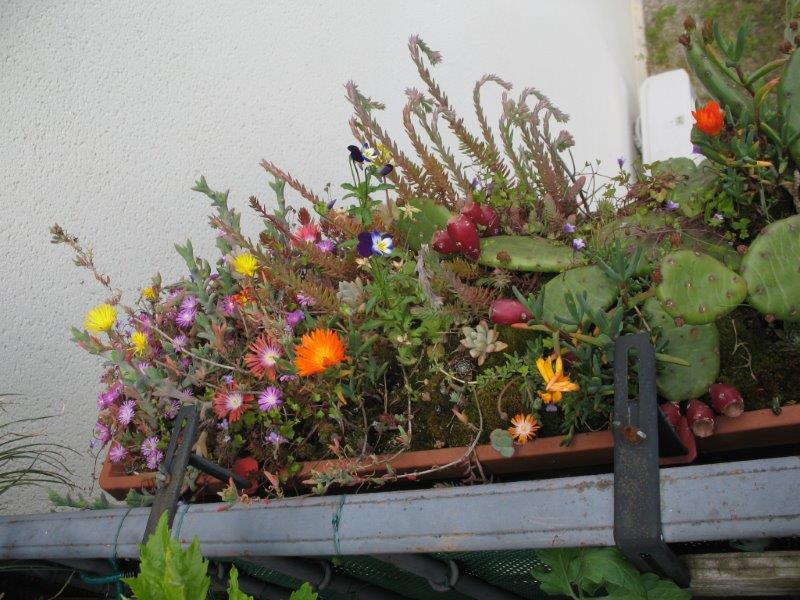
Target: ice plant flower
523	428
185	318
327	246
270	398
293	318
579	244
102	436
150	293
710	119
555	381
109	397
126	413
151	453
245	264
117	453
231	404
374	244
307	234
263	357
140	343
101	318
228	305
179	342
318	350
305	299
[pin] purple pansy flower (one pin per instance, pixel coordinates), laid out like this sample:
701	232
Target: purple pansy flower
117	453
579	244
374	244
385	170
355	153
126	413
270	398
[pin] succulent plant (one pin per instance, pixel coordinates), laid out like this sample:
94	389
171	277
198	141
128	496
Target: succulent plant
789	103
351	293
687	193
421	225
696	344
697	288
772	270
524	253
601	292
481	341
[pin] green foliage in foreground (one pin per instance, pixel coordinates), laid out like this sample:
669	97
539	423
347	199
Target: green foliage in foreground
600	573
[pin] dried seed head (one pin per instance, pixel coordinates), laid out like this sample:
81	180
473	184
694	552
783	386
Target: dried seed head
689	23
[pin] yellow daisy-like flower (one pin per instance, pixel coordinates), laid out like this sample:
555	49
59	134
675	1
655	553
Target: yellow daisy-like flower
150	293
245	264
100	318
555	381
140	342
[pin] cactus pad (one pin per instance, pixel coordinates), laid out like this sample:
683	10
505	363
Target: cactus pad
526	253
601	292
696	344
698	288
689	189
789	103
771	268
421	226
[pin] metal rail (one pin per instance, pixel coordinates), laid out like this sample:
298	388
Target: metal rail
751	499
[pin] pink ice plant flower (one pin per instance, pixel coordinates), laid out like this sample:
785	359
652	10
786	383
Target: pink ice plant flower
151	453
109	397
102	436
270	398
126	413
117	453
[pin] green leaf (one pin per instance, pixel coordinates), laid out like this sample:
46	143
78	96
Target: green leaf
168	571
304	592
600	566
234	593
502	441
662	589
564	566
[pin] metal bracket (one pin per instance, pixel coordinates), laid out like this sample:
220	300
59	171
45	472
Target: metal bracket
173	469
638	425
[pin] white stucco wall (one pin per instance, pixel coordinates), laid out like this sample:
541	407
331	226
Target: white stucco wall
109	111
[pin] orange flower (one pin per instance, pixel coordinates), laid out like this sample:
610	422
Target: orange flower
524	428
710	119
318	350
244	297
555	381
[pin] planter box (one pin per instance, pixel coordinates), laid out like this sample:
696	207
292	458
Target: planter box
753	429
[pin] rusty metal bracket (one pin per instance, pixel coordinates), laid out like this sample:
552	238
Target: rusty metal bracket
173	468
638	425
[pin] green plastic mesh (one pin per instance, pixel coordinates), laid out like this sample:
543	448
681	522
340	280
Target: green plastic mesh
509	570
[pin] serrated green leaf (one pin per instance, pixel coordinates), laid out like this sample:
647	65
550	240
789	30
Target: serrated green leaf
234	593
564	566
601	566
304	592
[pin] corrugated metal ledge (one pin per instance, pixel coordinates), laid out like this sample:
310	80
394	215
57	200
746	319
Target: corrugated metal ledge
749	499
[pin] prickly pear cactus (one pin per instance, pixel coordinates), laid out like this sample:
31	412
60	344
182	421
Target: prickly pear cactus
420	226
688	192
771	268
698	288
525	253
601	292
696	344
789	103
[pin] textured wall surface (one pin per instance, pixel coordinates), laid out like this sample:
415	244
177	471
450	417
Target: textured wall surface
110	111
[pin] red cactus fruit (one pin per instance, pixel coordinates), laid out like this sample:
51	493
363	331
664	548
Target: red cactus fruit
465	234
491	221
247	467
442	242
673	413
700	418
507	312
473	212
726	399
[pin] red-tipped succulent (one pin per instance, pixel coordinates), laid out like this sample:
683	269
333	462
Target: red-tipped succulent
507	312
673	413
726	399
700	418
465	234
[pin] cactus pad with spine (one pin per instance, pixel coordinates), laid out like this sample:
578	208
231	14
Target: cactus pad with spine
771	268
696	344
527	253
789	103
698	288
420	227
601	292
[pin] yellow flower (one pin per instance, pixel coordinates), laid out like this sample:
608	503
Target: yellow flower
556	383
140	342
384	154
245	264
524	428
150	293
100	318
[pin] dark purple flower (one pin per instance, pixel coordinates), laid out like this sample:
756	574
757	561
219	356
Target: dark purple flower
293	318
696	149
374	243
331	203
385	170
355	153
620	161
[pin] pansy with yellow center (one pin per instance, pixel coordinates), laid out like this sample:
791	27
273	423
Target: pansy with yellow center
555	381
245	264
101	318
140	342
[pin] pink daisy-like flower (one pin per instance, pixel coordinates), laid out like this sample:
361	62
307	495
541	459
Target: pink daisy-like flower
109	397
102	436
327	245
293	318
179	342
305	300
263	357
270	398
186	317
308	234
117	453
228	305
149	446
154	460
126	413
231	404
189	303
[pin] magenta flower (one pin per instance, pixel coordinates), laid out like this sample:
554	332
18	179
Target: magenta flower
189	303
179	342
228	305
305	300
102	436
293	318
126	413
117	453
154	460
172	411
186	317
270	398
327	245
149	445
109	397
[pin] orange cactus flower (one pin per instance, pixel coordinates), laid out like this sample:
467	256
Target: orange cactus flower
555	381
524	428
710	119
318	350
